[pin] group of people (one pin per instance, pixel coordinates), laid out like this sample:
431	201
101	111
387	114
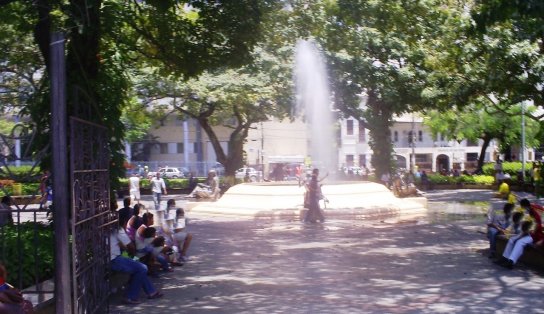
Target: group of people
143	246
522	226
207	190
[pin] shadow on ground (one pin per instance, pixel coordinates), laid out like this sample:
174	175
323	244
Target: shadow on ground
342	266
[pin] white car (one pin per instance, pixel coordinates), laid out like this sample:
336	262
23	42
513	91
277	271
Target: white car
167	172
254	174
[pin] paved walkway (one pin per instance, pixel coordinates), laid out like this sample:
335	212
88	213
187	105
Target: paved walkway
435	264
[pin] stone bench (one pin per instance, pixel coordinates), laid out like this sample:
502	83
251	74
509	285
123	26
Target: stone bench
532	256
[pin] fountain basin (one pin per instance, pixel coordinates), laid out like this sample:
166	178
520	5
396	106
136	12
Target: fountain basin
285	200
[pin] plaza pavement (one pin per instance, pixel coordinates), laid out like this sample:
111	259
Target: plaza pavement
434	264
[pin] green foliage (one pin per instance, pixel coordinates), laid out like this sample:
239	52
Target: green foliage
438	179
35	238
477	179
21	174
26	189
513	168
170	183
378	49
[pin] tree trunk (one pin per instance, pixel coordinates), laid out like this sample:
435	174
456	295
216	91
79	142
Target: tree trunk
485	144
379	125
234	158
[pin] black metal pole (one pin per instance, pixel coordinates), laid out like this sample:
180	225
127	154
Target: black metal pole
61	192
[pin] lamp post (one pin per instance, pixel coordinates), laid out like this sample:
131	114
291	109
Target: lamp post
522	153
413	144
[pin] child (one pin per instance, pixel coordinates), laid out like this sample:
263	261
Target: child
182	239
514	247
497	224
11	300
3	275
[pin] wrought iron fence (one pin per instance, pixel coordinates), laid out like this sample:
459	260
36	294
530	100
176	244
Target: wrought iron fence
26	233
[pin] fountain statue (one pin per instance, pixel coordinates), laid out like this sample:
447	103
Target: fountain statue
285	199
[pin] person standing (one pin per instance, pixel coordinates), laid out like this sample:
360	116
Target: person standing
6	217
158	187
313	195
134	187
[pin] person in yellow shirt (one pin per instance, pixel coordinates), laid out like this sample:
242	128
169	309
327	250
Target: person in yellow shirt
537	179
504	190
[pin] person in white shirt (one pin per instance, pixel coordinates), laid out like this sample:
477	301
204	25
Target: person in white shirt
134	187
158	188
119	241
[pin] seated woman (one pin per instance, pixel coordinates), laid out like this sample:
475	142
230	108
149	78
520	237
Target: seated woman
209	190
134	222
120	242
149	249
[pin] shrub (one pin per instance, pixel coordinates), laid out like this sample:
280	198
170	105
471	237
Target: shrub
36	238
475	179
513	168
21	174
440	179
27	189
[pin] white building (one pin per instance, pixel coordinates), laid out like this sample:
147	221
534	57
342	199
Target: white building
184	143
413	140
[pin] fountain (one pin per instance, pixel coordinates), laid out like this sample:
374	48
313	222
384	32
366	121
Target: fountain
285	199
314	104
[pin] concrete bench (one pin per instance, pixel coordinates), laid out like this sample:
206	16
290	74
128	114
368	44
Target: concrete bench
532	256
118	281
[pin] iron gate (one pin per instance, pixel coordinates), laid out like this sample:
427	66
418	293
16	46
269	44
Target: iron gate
92	221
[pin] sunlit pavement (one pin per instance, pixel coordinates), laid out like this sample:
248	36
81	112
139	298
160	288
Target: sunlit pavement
434	264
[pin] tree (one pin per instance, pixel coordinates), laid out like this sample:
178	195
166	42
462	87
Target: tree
235	99
183	37
377	50
482	121
514	46
21	66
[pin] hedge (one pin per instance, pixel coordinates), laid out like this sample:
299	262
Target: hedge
21	174
474	179
44	248
513	168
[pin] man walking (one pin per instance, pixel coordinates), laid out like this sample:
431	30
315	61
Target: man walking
157	188
134	187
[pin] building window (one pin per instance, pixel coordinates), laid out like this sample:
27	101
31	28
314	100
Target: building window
179	148
410	137
197	148
472	156
349	127
362	135
395	136
163	148
362	160
349	160
421	158
420	136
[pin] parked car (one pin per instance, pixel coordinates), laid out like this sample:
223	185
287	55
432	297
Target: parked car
254	174
168	172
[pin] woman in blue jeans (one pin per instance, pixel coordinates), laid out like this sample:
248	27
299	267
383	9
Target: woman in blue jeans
119	241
